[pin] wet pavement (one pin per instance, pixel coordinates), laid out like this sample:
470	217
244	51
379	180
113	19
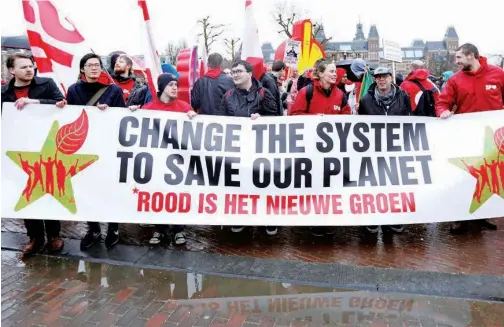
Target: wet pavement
428	247
50	291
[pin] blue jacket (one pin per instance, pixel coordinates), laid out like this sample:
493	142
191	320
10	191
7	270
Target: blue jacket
81	92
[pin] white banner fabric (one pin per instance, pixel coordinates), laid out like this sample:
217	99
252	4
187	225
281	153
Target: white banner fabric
80	163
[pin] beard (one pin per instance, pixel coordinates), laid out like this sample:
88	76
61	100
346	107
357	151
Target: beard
119	71
466	68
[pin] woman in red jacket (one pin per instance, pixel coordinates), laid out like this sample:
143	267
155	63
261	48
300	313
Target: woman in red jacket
167	101
322	97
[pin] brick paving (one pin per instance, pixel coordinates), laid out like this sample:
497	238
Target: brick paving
48	291
421	247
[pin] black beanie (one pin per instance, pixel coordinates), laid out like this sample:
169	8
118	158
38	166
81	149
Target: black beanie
163	81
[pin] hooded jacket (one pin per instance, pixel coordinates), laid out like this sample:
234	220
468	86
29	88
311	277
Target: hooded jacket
327	102
242	103
478	91
414	92
41	88
400	106
207	92
127	84
81	92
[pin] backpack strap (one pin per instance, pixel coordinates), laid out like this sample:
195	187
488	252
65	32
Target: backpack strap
261	94
96	96
309	95
417	83
228	93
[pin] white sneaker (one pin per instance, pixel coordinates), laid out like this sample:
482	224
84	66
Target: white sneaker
270	230
180	238
156	238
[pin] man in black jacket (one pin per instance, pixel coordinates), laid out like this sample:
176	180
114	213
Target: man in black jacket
23	89
208	90
385	98
270	82
248	99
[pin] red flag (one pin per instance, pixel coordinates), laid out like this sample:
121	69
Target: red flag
152	61
56	49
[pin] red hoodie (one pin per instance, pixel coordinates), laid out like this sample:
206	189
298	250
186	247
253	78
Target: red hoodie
414	92
174	106
334	103
482	90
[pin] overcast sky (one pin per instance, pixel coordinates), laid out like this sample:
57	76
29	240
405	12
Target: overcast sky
113	24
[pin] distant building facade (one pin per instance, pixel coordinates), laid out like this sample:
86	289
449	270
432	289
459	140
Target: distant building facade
369	48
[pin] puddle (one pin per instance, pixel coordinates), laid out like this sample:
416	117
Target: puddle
212	295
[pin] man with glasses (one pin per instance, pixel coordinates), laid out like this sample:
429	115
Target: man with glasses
385	98
247	99
95	88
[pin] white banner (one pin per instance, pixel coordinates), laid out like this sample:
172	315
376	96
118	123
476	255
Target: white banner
80	163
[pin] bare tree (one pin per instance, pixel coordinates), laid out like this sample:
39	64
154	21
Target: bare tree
210	32
232	46
441	62
286	13
172	50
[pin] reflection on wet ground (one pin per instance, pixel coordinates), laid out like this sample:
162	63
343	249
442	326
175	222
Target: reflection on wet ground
48	291
421	247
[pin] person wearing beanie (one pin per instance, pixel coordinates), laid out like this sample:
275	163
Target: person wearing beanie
166	100
341	79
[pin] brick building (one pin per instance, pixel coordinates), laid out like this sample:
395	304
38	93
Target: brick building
436	54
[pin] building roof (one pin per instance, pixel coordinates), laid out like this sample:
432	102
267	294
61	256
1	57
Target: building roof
359	33
267	47
417	43
17	42
360	45
451	33
373	31
435	45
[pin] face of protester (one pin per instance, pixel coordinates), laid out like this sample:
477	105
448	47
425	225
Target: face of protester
227	71
329	75
464	62
295	73
23	70
240	75
383	82
121	66
92	69
171	90
344	79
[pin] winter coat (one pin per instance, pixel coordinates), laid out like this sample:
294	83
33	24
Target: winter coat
482	90
207	92
127	84
242	103
81	92
269	82
414	92
400	106
327	102
41	88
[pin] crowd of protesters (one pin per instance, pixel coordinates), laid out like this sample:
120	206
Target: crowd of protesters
246	90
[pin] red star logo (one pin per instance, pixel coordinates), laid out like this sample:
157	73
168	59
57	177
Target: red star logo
248	3
135	190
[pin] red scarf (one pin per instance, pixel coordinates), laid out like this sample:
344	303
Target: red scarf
213	73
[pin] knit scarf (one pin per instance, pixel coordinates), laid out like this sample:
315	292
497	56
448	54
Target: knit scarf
385	99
